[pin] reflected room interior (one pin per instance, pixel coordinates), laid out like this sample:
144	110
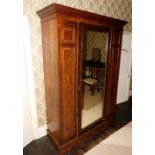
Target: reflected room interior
93	77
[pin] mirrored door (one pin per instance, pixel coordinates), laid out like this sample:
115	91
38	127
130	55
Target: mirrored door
95	45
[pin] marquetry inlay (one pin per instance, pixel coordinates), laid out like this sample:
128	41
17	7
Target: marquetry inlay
68	35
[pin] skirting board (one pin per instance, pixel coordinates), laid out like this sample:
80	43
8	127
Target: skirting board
41	131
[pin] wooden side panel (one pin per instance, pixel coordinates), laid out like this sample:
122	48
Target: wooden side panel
50	61
68	64
113	71
68	89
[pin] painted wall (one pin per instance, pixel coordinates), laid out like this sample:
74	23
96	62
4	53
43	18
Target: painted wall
31	130
120	9
29	104
27	115
124	88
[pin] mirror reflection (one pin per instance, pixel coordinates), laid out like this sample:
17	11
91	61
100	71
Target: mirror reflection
93	77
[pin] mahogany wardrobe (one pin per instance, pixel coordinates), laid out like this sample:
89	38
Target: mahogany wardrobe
81	57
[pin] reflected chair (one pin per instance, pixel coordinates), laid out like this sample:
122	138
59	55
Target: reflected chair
92	83
91	77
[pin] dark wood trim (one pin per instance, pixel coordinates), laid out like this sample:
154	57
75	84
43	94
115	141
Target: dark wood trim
96	28
92	125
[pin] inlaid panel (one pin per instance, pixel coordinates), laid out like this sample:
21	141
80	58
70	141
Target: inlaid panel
68	35
68	68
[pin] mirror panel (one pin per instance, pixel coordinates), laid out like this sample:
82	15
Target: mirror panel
94	61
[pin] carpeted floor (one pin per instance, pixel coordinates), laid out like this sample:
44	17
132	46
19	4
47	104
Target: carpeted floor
119	143
44	146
